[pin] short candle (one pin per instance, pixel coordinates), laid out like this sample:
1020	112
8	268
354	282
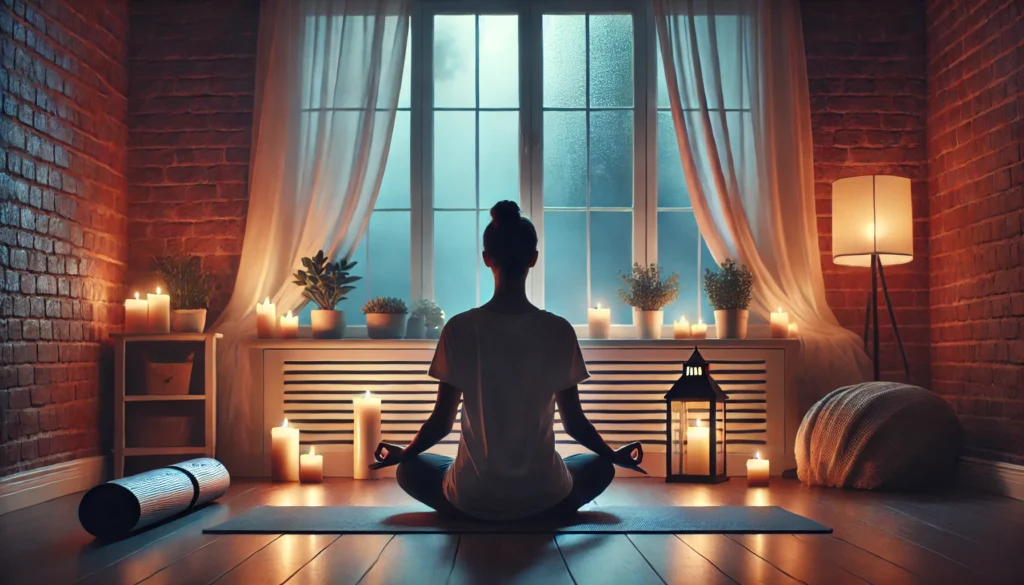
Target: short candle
757	471
266	315
284	453
289	326
699	330
311	467
136	315
793	330
681	329
779	324
599	322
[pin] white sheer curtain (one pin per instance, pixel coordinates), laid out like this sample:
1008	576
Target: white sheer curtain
737	83
328	78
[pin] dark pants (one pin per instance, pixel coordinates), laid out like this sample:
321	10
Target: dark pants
422	477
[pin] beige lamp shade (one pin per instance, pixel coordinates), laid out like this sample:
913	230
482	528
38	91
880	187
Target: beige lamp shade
872	215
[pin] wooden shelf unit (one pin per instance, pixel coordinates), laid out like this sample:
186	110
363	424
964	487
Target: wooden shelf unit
208	398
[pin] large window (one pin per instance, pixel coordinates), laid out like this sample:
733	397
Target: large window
560	106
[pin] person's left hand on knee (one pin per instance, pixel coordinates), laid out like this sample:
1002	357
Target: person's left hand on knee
387	454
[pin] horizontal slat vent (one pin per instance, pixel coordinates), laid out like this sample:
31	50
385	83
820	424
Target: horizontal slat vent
623	398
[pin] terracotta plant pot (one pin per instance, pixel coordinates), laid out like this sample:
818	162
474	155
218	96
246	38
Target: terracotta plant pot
385	325
415	328
327	324
731	323
188	320
648	324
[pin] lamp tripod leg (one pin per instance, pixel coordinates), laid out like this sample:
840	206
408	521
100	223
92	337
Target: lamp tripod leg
867	322
892	317
874	313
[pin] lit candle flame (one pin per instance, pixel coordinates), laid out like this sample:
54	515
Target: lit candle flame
757	454
158	290
598	305
700	321
312	450
698	422
289	315
367	395
266	301
780	309
136	296
284	425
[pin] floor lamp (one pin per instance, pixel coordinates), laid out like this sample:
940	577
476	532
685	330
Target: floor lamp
873	225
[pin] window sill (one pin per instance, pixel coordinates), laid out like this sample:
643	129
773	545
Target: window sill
364	343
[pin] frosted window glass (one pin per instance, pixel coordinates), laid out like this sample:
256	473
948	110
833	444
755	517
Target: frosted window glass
611	251
455	60
677	252
454	159
499	61
394	187
565	264
565	159
499	157
611	60
565	60
611	158
455	256
390	262
672	191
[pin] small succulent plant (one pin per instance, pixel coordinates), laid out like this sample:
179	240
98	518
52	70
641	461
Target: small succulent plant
386	305
430	312
730	288
326	283
187	284
645	290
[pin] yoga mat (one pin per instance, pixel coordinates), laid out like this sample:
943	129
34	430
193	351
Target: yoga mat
610	519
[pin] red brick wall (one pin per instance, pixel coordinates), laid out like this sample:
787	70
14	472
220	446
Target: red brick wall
62	222
866	67
191	79
975	132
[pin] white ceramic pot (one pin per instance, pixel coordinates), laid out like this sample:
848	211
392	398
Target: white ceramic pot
648	324
385	325
731	323
415	328
188	320
327	324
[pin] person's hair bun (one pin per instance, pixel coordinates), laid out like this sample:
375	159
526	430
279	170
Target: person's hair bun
505	212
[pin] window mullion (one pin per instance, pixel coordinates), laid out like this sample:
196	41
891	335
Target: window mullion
423	149
532	51
646	169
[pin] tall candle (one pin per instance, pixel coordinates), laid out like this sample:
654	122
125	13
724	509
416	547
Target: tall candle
599	322
266	315
681	329
159	312
757	471
699	330
289	326
793	330
284	453
366	432
136	315
311	467
780	324
697	450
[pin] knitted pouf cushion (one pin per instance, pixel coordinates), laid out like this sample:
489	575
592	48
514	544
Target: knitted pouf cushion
878	435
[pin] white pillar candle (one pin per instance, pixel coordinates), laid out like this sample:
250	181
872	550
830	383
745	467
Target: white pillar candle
266	315
159	312
681	329
779	324
289	326
757	471
284	453
599	322
698	439
794	331
366	433
311	467
136	315
699	330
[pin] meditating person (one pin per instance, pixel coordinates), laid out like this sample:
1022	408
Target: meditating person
509	362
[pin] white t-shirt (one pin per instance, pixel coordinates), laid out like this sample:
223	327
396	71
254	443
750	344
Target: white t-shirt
509	368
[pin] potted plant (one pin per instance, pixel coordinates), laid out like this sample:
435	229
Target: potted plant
729	292
385	318
648	294
189	288
425	321
326	284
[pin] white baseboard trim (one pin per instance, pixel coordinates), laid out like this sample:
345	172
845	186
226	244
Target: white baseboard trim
1004	479
35	486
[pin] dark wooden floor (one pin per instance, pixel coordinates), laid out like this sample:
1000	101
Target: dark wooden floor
957	537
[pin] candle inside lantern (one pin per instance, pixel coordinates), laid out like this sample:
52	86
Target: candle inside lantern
699	330
757	471
793	330
366	434
311	467
780	324
136	315
698	440
266	315
284	453
681	329
159	312
599	322
289	326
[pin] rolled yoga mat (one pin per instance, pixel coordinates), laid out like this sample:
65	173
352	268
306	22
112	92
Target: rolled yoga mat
121	506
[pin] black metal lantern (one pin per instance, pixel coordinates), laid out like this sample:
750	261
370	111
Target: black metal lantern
695	426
